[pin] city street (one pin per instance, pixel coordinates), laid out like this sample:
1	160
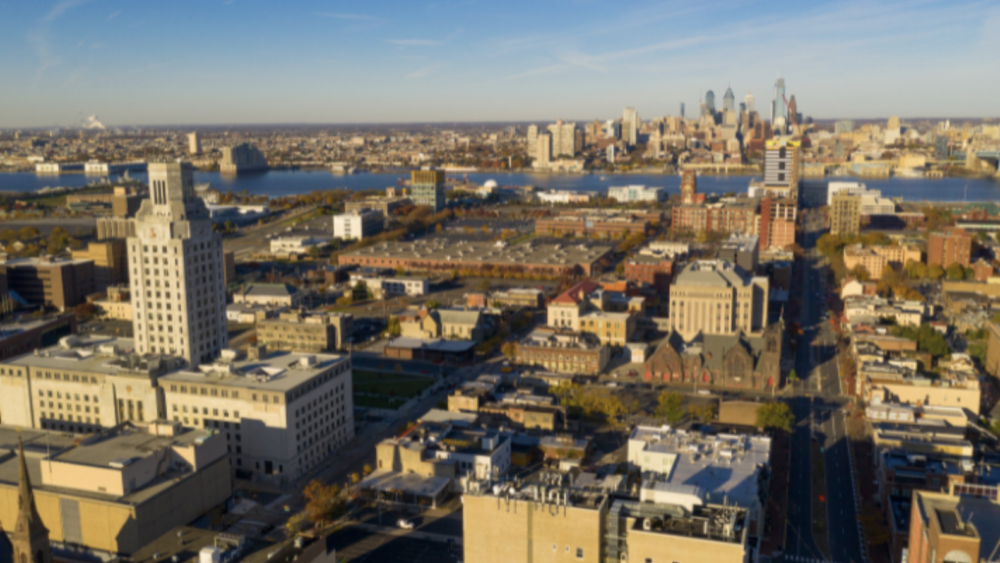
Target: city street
818	408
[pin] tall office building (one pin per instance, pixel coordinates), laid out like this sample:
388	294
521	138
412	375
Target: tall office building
427	188
630	126
729	100
682	110
749	101
781	167
845	214
243	157
176	270
793	111
710	102
893	123
532	141
778	108
194	143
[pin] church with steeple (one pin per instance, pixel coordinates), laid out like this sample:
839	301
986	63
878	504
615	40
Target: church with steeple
29	542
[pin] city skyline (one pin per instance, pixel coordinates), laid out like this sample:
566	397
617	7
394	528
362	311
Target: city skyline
239	61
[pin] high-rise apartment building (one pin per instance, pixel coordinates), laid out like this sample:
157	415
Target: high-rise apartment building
563	138
543	149
243	157
427	188
532	141
750	103
777	222
717	297
729	100
782	161
845	214
194	143
953	245
630	126
176	270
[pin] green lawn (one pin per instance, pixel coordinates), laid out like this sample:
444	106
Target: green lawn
377	402
390	384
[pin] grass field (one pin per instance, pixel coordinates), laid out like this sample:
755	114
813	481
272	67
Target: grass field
377	402
390	384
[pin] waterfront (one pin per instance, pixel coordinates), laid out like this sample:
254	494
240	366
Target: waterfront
278	183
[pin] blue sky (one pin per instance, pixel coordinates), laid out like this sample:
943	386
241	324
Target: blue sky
324	61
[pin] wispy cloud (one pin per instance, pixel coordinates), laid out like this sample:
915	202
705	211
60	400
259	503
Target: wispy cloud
426	71
61	8
114	15
355	17
412	42
38	37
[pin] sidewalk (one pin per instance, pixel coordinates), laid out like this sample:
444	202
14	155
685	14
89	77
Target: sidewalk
412	534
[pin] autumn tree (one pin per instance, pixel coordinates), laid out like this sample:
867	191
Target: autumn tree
509	349
670	407
703	413
323	502
775	416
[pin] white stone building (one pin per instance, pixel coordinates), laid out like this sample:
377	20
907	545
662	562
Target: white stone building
178	290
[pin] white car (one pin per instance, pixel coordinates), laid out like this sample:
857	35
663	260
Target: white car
404	524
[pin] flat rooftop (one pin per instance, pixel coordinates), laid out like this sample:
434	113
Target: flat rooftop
441	249
10	329
278	372
721	464
42	444
106	355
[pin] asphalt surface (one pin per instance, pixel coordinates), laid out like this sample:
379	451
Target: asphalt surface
818	407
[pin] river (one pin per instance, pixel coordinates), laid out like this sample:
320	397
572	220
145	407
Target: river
290	182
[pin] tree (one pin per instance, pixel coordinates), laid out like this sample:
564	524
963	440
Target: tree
704	412
366	469
296	523
432	304
775	416
344	301
314	252
360	291
509	349
860	272
392	327
85	311
792	376
620	269
323	502
670	407
916	270
955	272
483	285
27	233
935	272
355	478
438	228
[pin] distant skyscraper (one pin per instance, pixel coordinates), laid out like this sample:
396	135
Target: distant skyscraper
749	101
563	138
729	100
543	150
611	154
710	102
194	143
793	111
682	110
630	125
893	123
532	141
778	108
178	295
743	107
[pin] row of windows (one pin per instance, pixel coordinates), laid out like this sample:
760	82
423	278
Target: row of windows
69	396
205	391
204	411
69	407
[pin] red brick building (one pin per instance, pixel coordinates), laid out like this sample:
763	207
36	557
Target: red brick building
716	218
983	270
777	222
651	270
948	247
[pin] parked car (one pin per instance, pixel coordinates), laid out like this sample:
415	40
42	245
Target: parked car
404	524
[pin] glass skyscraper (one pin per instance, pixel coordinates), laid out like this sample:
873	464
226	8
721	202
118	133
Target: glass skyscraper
778	108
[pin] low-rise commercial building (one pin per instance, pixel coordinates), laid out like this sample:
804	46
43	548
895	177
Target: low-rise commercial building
306	332
23	335
488	258
54	282
587	308
563	351
596	224
83	384
636	194
358	224
875	258
741	250
458	352
653	271
297	243
959	525
109	258
282	413
117	490
270	294
117	304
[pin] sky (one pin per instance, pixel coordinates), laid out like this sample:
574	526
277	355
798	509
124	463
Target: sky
324	61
